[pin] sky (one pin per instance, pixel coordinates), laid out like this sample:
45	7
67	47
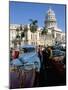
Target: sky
22	12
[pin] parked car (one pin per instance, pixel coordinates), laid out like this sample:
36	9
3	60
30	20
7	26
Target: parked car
58	55
61	47
29	56
58	58
27	65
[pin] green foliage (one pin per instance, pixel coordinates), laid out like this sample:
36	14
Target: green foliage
22	35
17	36
34	21
33	26
44	31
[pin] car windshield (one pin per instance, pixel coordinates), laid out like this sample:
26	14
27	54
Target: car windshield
27	50
58	53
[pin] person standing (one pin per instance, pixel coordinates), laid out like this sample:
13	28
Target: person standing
40	53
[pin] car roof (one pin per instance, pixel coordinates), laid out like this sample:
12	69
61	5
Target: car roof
27	46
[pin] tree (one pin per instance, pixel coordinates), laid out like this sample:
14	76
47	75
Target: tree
22	35
17	36
44	33
33	25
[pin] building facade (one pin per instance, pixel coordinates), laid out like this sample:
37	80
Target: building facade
54	35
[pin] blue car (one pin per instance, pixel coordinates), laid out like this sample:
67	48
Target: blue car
28	64
29	57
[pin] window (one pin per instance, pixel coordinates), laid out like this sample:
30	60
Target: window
26	50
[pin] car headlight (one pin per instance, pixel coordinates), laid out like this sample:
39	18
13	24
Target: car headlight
36	63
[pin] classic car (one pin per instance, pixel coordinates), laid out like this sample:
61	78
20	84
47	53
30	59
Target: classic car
57	61
58	55
27	64
29	57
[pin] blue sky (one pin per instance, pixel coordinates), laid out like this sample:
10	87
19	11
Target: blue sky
21	12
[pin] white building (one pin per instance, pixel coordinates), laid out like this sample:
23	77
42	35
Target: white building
51	25
54	35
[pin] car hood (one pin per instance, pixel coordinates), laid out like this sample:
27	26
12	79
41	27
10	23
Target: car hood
28	57
16	62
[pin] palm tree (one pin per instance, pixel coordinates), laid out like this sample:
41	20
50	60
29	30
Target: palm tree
22	34
33	25
17	35
44	33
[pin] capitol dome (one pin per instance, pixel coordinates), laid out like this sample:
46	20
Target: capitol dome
50	19
51	15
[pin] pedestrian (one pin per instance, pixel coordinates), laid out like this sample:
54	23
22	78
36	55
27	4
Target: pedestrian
48	57
49	52
44	57
40	53
43	72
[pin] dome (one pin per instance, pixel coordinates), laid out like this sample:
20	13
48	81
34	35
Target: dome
50	19
50	16
50	12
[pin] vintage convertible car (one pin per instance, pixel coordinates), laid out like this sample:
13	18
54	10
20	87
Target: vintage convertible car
26	66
